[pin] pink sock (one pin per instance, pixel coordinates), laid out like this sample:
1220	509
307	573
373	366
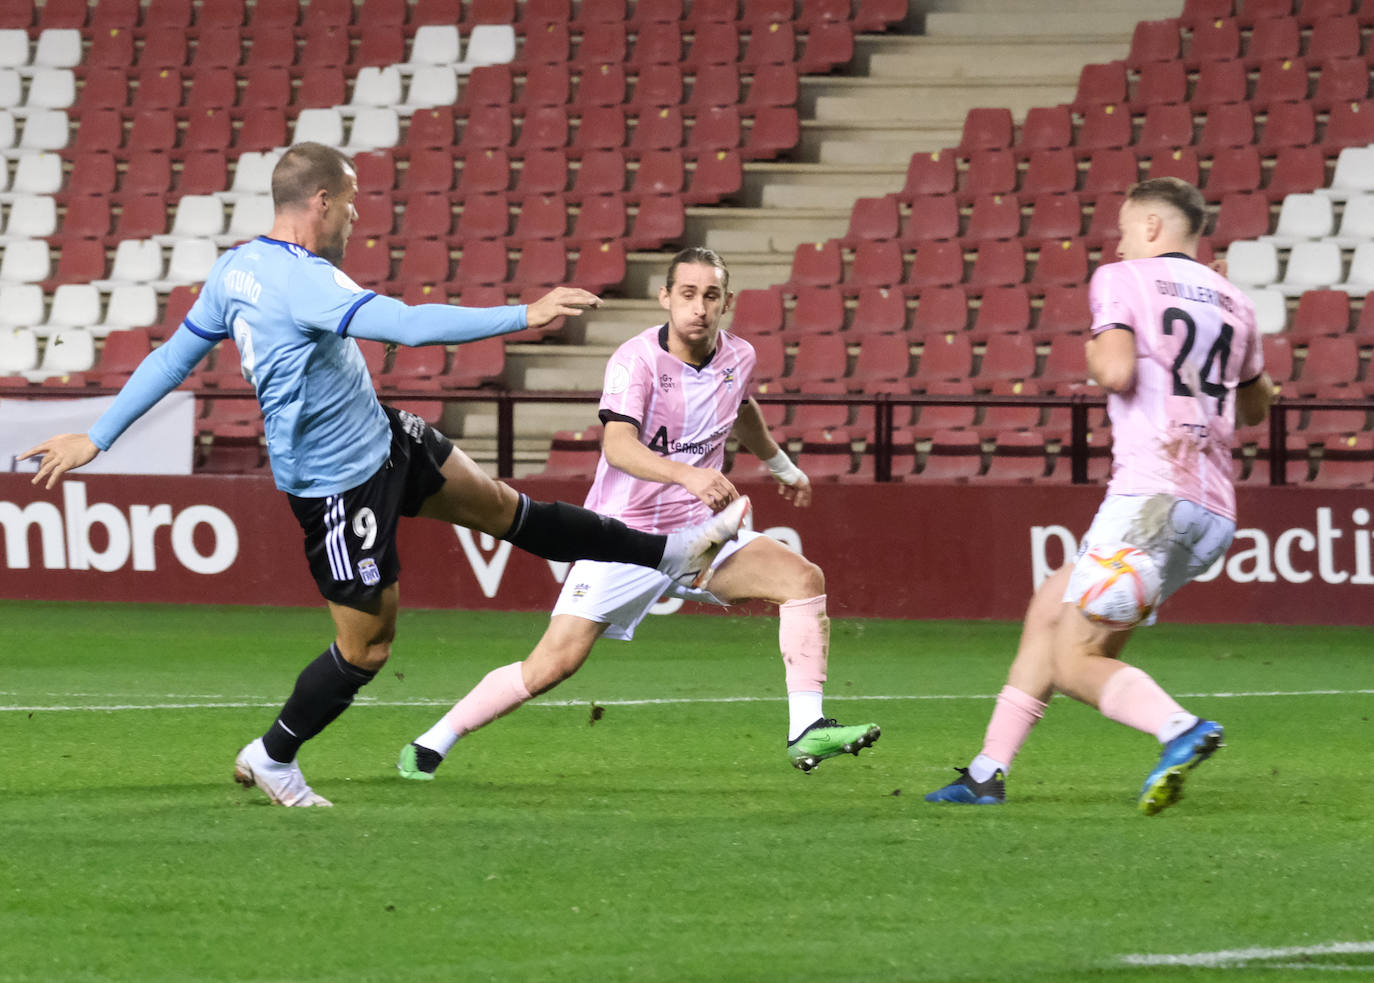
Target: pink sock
1132	698
499	692
1012	719
804	637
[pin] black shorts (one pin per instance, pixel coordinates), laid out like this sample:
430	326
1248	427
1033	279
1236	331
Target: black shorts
350	538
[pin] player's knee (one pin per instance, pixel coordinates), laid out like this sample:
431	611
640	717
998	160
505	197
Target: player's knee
810	580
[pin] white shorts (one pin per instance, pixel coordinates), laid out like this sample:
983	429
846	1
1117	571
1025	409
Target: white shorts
619	595
1182	537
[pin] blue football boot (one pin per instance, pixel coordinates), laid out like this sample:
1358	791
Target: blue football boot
967	792
1164	786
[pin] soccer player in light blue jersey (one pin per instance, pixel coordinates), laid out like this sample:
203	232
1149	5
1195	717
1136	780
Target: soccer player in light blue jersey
350	466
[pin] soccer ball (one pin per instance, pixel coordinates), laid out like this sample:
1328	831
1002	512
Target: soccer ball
1117	585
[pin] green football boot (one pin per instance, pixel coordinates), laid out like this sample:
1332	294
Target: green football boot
826	738
418	763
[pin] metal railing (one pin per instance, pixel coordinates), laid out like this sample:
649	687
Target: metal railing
882	404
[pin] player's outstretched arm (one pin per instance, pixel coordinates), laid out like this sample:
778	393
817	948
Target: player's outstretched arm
752	430
620	444
560	302
61	454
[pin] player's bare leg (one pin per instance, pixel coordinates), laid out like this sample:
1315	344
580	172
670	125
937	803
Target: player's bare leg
766	570
1087	668
561	651
559	531
1020	704
324	689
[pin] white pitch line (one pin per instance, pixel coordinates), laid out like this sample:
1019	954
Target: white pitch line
248	703
1235	957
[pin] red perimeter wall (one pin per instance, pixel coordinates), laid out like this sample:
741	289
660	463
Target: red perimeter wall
1301	556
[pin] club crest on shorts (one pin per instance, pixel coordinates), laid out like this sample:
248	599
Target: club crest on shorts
580	590
367	570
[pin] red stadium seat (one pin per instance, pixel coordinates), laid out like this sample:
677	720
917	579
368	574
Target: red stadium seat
940	310
946	357
1272	37
774	43
1101	85
1064	311
935	417
600	266
930	174
879	311
877	263
882	358
936	264
994	217
1220	83
488	217
816	264
990	172
1104	127
827	47
1351	124
601	172
658	221
932	217
487	172
1008	357
816	310
659	173
820	358
1061	262
1160	84
985	129
1055	217
872	218
1215	39
1045	128
997	264
1154	41
1320	313
539	217
1233	169
1181	162
1002	311
1164	128
1280	80
955	456
1242	215
598	128
757	311
1017	457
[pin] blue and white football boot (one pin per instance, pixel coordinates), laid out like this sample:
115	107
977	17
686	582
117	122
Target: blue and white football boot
1164	786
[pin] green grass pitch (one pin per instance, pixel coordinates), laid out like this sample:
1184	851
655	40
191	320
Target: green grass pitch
667	841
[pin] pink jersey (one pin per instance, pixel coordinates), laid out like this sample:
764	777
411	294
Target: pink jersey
1195	342
683	413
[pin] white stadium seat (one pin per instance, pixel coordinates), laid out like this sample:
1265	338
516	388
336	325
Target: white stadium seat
58	48
21	304
1357	222
431	85
435	44
38	174
1302	217
14	48
1252	264
320	125
197	217
1354	174
372	129
1271	309
135	261
191	260
131	305
489	44
74	305
252	215
8	131
52	88
67	351
1311	266
253	172
45	129
376	86
1360	280
31	217
18	351
25	261
11	89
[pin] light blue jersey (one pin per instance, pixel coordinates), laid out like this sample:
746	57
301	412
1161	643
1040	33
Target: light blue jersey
288	312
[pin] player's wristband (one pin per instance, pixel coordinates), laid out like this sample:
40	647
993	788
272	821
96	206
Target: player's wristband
782	468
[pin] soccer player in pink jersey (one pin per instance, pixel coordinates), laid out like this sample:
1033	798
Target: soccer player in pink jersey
672	396
1175	346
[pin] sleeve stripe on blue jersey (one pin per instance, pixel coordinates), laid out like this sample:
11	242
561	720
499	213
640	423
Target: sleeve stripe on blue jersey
343	324
208	336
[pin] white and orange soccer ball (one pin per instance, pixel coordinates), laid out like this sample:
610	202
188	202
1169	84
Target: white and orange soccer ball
1116	584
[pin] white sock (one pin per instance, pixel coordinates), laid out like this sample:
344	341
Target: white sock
803	710
440	738
1177	723
981	768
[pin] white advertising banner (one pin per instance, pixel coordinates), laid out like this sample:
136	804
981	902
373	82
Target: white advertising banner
162	441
